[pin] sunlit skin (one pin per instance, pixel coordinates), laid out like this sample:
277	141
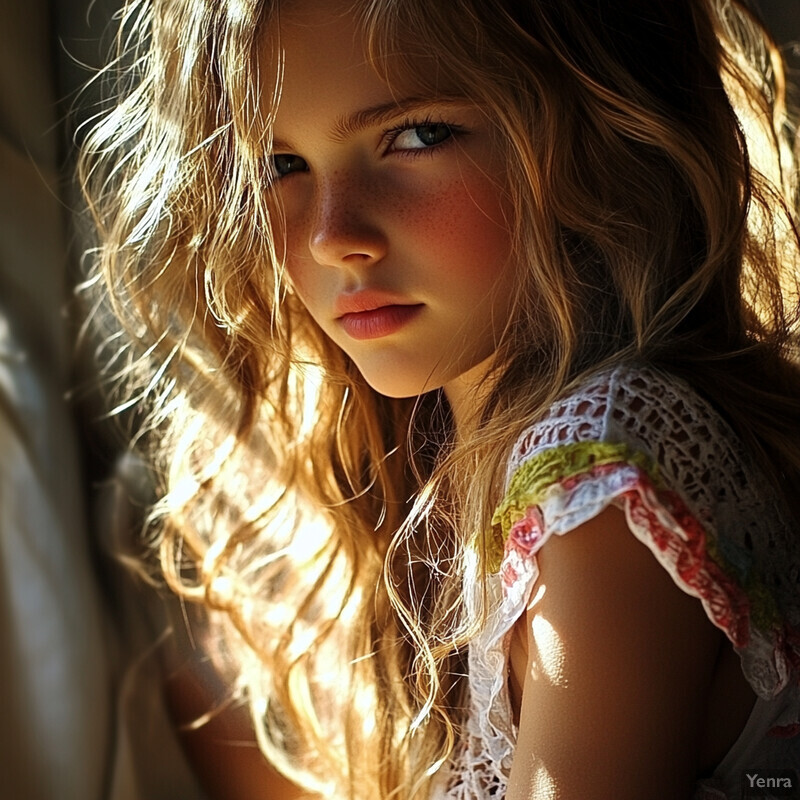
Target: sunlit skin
621	686
402	196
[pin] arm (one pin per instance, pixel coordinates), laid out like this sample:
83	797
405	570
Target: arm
223	752
615	662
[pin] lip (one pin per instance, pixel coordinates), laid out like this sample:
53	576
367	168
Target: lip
378	322
373	313
367	300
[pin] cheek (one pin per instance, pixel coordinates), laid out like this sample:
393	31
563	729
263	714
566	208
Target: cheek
300	274
304	281
464	227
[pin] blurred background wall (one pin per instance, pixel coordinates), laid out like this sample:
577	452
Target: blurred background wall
82	714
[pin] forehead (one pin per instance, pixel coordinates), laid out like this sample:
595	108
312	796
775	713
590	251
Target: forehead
315	53
319	47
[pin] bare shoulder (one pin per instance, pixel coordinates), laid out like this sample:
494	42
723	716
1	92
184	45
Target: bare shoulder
614	663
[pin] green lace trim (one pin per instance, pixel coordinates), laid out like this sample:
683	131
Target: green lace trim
764	611
530	482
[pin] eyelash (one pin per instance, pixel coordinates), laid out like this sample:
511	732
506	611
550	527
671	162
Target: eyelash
391	135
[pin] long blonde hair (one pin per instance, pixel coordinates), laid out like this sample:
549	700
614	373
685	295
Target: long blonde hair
333	528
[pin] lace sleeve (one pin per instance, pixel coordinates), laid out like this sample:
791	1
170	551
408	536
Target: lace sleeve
646	443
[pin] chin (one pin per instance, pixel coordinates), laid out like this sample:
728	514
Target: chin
402	386
399	391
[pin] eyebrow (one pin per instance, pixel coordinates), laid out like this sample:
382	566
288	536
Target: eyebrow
350	124
384	112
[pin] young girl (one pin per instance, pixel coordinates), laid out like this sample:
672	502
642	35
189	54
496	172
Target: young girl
467	335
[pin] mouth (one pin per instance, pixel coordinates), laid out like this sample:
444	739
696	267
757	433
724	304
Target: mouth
365	300
373	315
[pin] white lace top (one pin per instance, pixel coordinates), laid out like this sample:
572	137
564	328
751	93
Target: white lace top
641	440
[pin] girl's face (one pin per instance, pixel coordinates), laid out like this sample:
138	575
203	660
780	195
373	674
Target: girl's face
396	219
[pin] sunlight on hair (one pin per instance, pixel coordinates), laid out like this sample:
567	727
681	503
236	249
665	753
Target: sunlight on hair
276	615
185	490
260	708
303	639
771	156
140	192
185	483
239	11
311	377
365	703
762	119
309	539
221	591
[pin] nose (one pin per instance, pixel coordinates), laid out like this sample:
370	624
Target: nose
345	227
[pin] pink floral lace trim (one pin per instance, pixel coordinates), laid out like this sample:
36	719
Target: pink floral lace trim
681	545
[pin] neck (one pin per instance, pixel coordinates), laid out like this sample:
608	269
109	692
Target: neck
467	394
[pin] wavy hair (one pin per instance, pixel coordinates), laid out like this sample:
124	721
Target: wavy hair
335	530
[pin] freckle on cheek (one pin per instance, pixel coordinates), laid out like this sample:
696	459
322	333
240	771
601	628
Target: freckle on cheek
440	214
452	217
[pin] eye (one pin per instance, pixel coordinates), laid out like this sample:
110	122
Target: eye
284	164
420	137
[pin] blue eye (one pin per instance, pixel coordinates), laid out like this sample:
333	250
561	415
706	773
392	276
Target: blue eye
419	137
285	164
